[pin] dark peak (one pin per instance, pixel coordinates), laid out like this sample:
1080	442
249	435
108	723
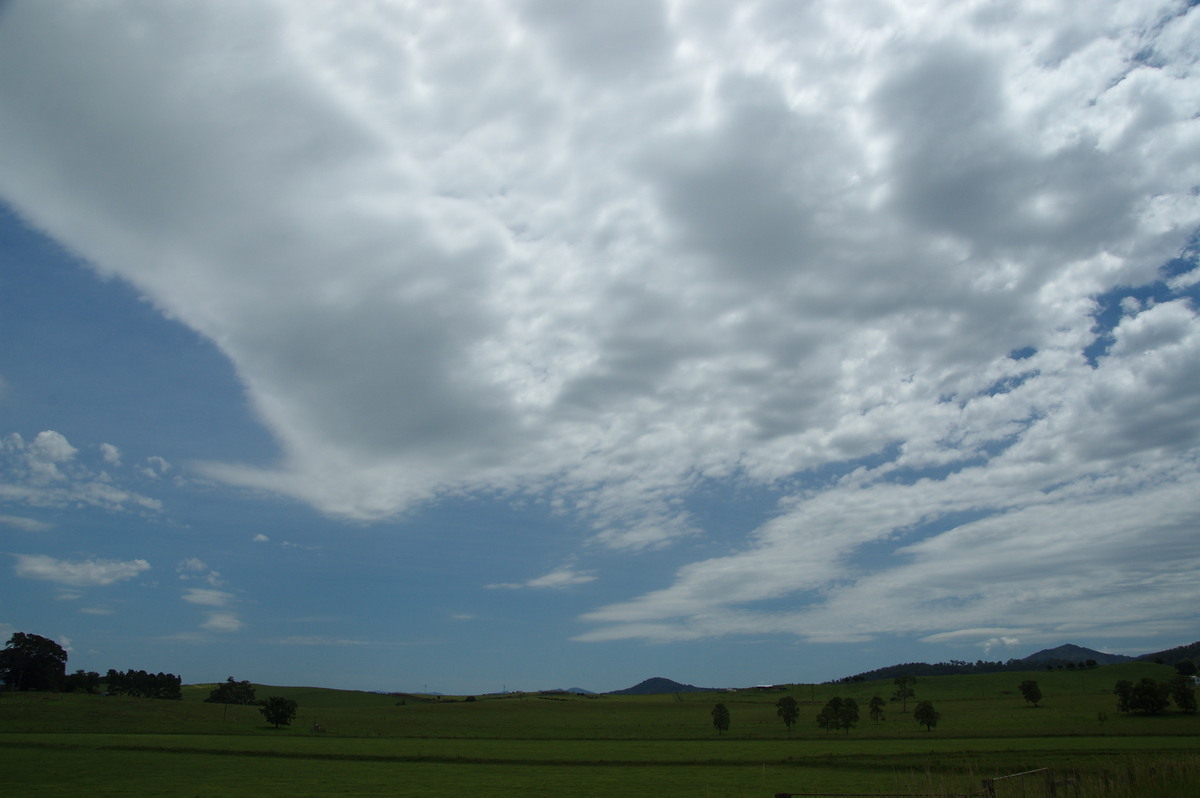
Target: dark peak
659	685
1069	652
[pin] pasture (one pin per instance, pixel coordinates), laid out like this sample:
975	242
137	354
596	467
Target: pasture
555	745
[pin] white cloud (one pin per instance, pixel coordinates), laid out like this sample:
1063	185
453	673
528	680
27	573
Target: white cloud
222	622
156	467
195	568
557	579
616	255
261	538
78	573
207	597
24	524
110	453
46	472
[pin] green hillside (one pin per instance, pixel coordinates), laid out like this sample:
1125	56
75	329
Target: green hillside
531	744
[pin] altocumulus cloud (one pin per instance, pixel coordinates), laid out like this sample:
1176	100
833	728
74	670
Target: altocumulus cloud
926	271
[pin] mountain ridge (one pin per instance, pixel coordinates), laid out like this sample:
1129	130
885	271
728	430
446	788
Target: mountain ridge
1065	655
658	685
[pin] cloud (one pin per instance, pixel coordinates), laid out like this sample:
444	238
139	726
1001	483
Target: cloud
79	573
195	568
557	579
110	453
261	538
923	273
46	472
156	467
222	622
206	597
24	524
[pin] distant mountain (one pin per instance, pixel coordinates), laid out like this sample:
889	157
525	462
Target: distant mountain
1173	656
658	686
579	691
1072	653
1067	655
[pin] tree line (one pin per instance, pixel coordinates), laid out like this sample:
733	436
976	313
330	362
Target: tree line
33	662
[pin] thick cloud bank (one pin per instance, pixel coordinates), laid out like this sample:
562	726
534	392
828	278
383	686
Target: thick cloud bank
610	252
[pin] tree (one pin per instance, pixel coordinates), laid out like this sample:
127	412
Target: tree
82	681
848	715
1183	694
141	684
720	718
279	710
926	715
828	718
788	710
1149	696
838	713
1185	668
32	662
1123	689
905	689
876	707
232	692
1031	691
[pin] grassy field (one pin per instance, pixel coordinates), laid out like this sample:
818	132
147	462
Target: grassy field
531	745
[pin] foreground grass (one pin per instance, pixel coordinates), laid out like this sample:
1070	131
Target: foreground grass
553	745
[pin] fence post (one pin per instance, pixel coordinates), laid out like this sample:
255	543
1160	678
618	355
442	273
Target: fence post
989	787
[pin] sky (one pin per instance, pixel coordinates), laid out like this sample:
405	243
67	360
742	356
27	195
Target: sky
470	346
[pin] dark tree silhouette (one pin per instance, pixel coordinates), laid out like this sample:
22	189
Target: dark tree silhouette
279	710
720	718
33	662
788	710
1149	696
232	692
838	713
1031	691
905	689
876	707
926	715
1183	693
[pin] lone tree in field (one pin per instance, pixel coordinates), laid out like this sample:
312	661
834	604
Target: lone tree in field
788	710
876	707
279	710
720	717
1031	691
905	689
926	715
33	662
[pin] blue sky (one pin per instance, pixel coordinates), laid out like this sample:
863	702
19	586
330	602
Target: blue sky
525	344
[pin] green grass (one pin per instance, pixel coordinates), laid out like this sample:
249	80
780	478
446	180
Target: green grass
640	745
